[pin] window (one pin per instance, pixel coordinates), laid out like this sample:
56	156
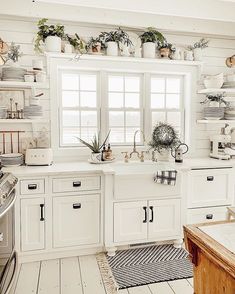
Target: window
79	113
125	107
166	101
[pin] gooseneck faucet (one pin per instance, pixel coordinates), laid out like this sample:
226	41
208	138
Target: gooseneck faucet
134	151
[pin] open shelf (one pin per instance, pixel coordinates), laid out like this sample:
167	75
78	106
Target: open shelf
214	90
217	121
23	85
23	121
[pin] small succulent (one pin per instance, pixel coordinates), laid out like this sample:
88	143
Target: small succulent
151	35
202	43
216	98
78	44
118	36
14	52
92	43
96	145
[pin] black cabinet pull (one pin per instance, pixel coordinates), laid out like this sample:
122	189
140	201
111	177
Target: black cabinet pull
209	216
210	178
77	184
77	205
151	208
32	186
42	212
145	214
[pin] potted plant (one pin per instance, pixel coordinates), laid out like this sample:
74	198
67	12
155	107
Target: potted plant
216	106
197	48
78	44
215	100
166	49
148	40
113	39
51	35
95	45
164	139
96	147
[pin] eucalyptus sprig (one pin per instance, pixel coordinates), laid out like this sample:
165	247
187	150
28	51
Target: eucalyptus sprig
96	145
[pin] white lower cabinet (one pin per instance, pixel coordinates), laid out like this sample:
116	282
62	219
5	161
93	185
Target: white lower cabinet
32	224
76	220
146	220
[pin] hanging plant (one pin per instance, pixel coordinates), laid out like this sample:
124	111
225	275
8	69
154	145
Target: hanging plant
77	42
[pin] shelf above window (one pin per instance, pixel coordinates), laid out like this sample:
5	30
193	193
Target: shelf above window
216	121
23	85
23	121
214	90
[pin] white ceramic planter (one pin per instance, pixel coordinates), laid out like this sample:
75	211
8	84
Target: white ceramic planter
164	155
53	44
96	157
149	50
197	53
112	49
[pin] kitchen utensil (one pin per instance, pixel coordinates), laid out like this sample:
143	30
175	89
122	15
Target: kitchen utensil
179	151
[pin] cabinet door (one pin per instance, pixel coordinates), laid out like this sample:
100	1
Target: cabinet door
164	219
76	220
32	224
130	221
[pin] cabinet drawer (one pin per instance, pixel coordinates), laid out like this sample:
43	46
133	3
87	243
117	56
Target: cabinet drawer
29	187
211	187
203	215
60	185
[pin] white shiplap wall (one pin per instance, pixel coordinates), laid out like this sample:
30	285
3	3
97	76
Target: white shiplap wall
23	31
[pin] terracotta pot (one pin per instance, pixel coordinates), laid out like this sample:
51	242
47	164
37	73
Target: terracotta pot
96	48
165	52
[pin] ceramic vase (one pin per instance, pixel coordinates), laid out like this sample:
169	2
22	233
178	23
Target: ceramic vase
149	50
96	157
197	53
53	44
112	49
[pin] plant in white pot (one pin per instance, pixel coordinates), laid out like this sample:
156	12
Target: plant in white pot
165	49
95	146
113	39
50	35
77	42
164	140
149	40
215	106
95	45
197	48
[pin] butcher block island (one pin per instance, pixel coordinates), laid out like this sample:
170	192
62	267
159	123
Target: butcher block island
212	251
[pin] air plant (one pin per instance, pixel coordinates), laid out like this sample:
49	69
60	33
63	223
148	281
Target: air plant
96	145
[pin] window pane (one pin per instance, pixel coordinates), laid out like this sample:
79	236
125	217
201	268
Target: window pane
117	135
88	99
132	100
132	119
70	99
130	135
88	134
88	82
70	82
157	100
116	83
172	100
174	118
132	84
70	118
88	118
158	85
172	85
116	118
158	117
70	136
115	100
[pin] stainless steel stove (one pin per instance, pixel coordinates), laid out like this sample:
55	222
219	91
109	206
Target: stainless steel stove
7	200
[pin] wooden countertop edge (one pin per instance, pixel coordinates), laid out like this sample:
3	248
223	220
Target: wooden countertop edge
211	248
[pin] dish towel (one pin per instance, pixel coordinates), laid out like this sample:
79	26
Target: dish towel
167	177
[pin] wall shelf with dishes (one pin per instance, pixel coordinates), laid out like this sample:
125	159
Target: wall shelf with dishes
217	90
23	85
216	121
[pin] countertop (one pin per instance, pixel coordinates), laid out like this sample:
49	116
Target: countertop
85	167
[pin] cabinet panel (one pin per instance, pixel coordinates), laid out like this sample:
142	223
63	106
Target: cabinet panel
130	221
32	224
31	187
6	233
76	220
164	219
203	215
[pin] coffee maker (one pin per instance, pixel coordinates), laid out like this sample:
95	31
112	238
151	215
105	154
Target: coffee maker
220	145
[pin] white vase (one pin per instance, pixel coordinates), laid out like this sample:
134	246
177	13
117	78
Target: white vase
164	155
149	50
197	53
53	44
112	49
96	157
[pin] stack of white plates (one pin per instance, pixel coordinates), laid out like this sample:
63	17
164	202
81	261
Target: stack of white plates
228	85
12	159
213	113
13	73
33	111
229	113
3	112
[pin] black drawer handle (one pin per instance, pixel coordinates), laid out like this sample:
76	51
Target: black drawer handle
209	216
77	205
151	208
77	184
32	186
145	214
210	178
42	212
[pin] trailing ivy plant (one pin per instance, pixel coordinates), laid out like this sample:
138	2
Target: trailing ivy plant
44	31
78	44
118	36
151	35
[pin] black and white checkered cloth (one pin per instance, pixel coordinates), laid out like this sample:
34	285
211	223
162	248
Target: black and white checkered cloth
167	177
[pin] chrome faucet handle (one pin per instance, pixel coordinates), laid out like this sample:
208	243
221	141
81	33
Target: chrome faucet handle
126	157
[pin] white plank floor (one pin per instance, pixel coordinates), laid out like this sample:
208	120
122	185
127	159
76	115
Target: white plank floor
81	275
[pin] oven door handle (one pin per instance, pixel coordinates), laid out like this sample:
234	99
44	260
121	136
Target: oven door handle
4	275
4	209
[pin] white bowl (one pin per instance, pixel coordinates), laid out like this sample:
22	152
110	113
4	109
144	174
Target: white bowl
213	83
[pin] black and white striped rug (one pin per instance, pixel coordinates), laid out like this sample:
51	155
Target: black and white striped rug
135	267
